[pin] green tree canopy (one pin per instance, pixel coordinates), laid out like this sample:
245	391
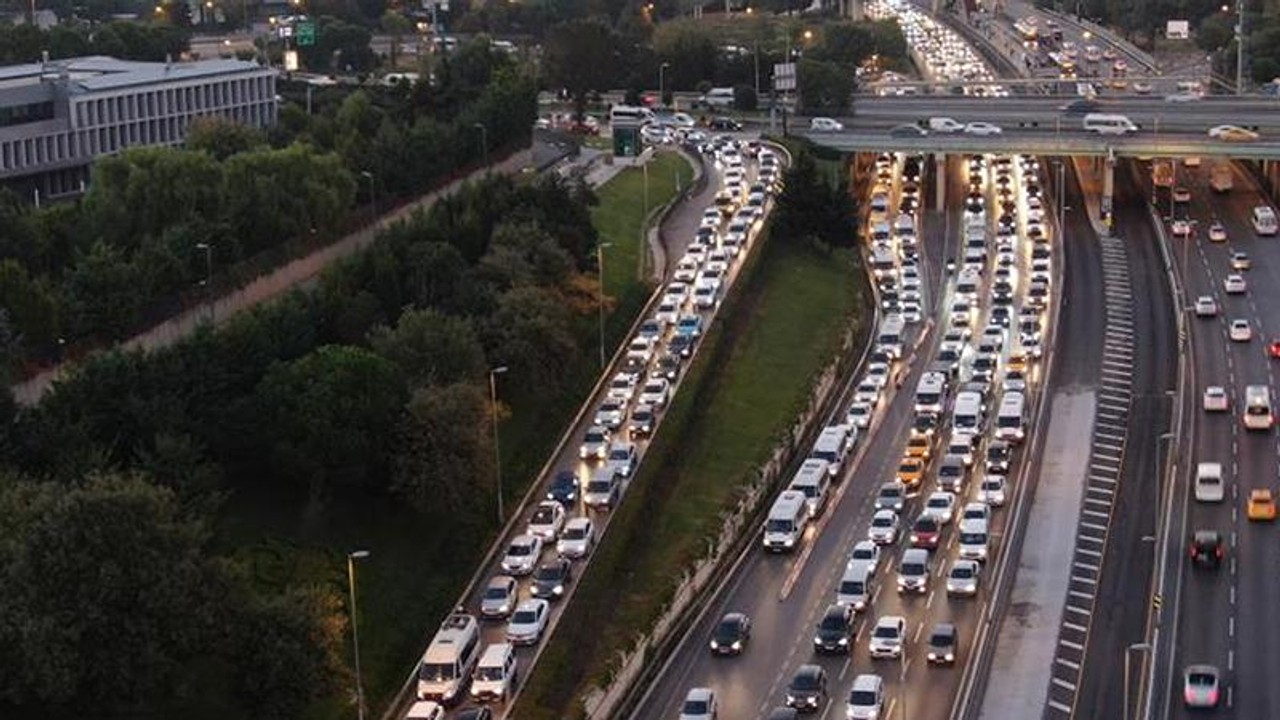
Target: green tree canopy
432	348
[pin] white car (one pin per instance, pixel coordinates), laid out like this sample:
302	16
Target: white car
699	704
884	528
687	269
577	538
888	637
867	392
547	521
1216	399
655	392
1217	232
963	578
1181	228
522	555
500	596
610	414
976	511
1206	307
622	458
878	374
1240	261
527	622
991	491
859	414
825	124
668	311
1240	330
622	386
1209	485
941	505
866	554
982	128
1234	284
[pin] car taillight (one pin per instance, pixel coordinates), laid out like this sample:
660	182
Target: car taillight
1218	551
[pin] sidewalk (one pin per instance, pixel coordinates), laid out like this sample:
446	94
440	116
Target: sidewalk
267	287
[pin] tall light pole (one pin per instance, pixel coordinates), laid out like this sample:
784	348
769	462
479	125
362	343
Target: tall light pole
484	142
355	624
600	275
662	82
207	282
1240	10
497	453
1136	647
373	199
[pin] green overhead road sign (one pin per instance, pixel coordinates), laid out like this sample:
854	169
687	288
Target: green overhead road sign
306	33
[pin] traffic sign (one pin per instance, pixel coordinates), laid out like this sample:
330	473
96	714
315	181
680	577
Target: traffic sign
784	76
306	33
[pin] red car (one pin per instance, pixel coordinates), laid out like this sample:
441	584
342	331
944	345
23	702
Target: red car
925	532
1273	349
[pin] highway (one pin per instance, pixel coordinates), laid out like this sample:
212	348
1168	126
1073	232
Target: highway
1226	616
786	595
680	230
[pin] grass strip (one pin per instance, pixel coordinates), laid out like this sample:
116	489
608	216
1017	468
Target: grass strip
779	328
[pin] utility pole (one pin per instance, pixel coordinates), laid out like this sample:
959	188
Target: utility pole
1240	36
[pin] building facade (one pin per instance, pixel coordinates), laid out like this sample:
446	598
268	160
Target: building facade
56	117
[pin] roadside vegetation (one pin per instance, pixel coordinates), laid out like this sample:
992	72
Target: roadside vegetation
780	326
179	520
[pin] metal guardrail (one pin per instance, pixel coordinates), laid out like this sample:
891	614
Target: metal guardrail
1049	142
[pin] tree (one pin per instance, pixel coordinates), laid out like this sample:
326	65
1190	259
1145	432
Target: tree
523	254
445	456
108	595
690	52
103	292
329	419
745	98
222	138
397	26
580	56
340	47
811	209
824	87
432	348
529	331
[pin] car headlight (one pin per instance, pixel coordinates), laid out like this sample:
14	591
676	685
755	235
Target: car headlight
558	590
817	641
950	657
715	645
791	700
844	641
933	656
789	542
504	608
737	645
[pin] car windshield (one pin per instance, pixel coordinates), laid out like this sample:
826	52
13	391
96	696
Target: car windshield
524	617
887	632
549	572
863	553
805	681
543	516
619	454
851	587
940	640
962	572
595	437
939	503
882	521
990	484
862	698
891	493
727	629
949	470
599	486
695	707
1204	679
520	550
436	672
576	532
496	593
778	526
926	524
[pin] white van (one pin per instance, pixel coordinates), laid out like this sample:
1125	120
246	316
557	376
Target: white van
1264	220
931	392
890	337
1209	487
913	571
446	665
833	445
814	480
973	539
1105	124
968	413
905	224
945	125
883	262
721	97
495	675
967	283
786	522
854	589
1010	420
866	699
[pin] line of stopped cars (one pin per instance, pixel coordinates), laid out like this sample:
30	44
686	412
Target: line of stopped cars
539	564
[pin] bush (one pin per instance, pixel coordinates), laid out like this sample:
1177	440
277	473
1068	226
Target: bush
745	98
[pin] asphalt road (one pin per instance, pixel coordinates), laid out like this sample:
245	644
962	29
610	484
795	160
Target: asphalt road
785	595
1227	616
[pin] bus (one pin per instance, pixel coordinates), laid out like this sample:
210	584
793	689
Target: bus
1264	220
1257	407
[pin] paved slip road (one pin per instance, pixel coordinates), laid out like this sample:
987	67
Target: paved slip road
1227	617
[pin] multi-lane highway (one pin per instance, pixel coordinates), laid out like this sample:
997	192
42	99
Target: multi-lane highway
1225	615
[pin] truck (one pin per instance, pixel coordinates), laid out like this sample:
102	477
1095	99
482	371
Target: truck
1220	177
1162	173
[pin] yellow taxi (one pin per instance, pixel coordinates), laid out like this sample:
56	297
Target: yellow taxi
1261	505
918	447
1018	361
911	470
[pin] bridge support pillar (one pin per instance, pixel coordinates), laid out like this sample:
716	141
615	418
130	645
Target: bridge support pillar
1108	187
940	182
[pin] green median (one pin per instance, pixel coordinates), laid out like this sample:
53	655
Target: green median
780	326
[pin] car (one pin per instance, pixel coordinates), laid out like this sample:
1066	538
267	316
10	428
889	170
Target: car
474	713
1240	261
925	532
622	458
500	597
1261	505
907	130
564	487
952	473
1273	349
1200	686
892	496
731	634
527	622
1216	399
689	325
595	443
963	578
1240	330
1234	284
551	579
1206	307
699	704
825	124
577	539
522	555
835	630
976	511
1182	97
1180	227
992	490
866	698
866	392
783	713
999	453
807	691
982	128
1080	106
669	364
918	447
642	420
1217	231
603	489
888	637
1207	548
942	645
656	392
859	414
941	505
610	414
924	425
865	554
547	520
910	471
884	528
724	124
1232	133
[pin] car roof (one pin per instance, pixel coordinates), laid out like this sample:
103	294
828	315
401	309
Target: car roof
700	693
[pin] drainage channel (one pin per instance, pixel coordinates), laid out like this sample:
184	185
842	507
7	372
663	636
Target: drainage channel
1106	457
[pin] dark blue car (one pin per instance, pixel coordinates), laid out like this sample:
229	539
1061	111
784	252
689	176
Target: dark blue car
564	488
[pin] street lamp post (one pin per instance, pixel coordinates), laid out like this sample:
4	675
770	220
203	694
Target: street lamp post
662	82
484	142
497	454
1136	647
600	275
355	624
1240	10
207	282
373	198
